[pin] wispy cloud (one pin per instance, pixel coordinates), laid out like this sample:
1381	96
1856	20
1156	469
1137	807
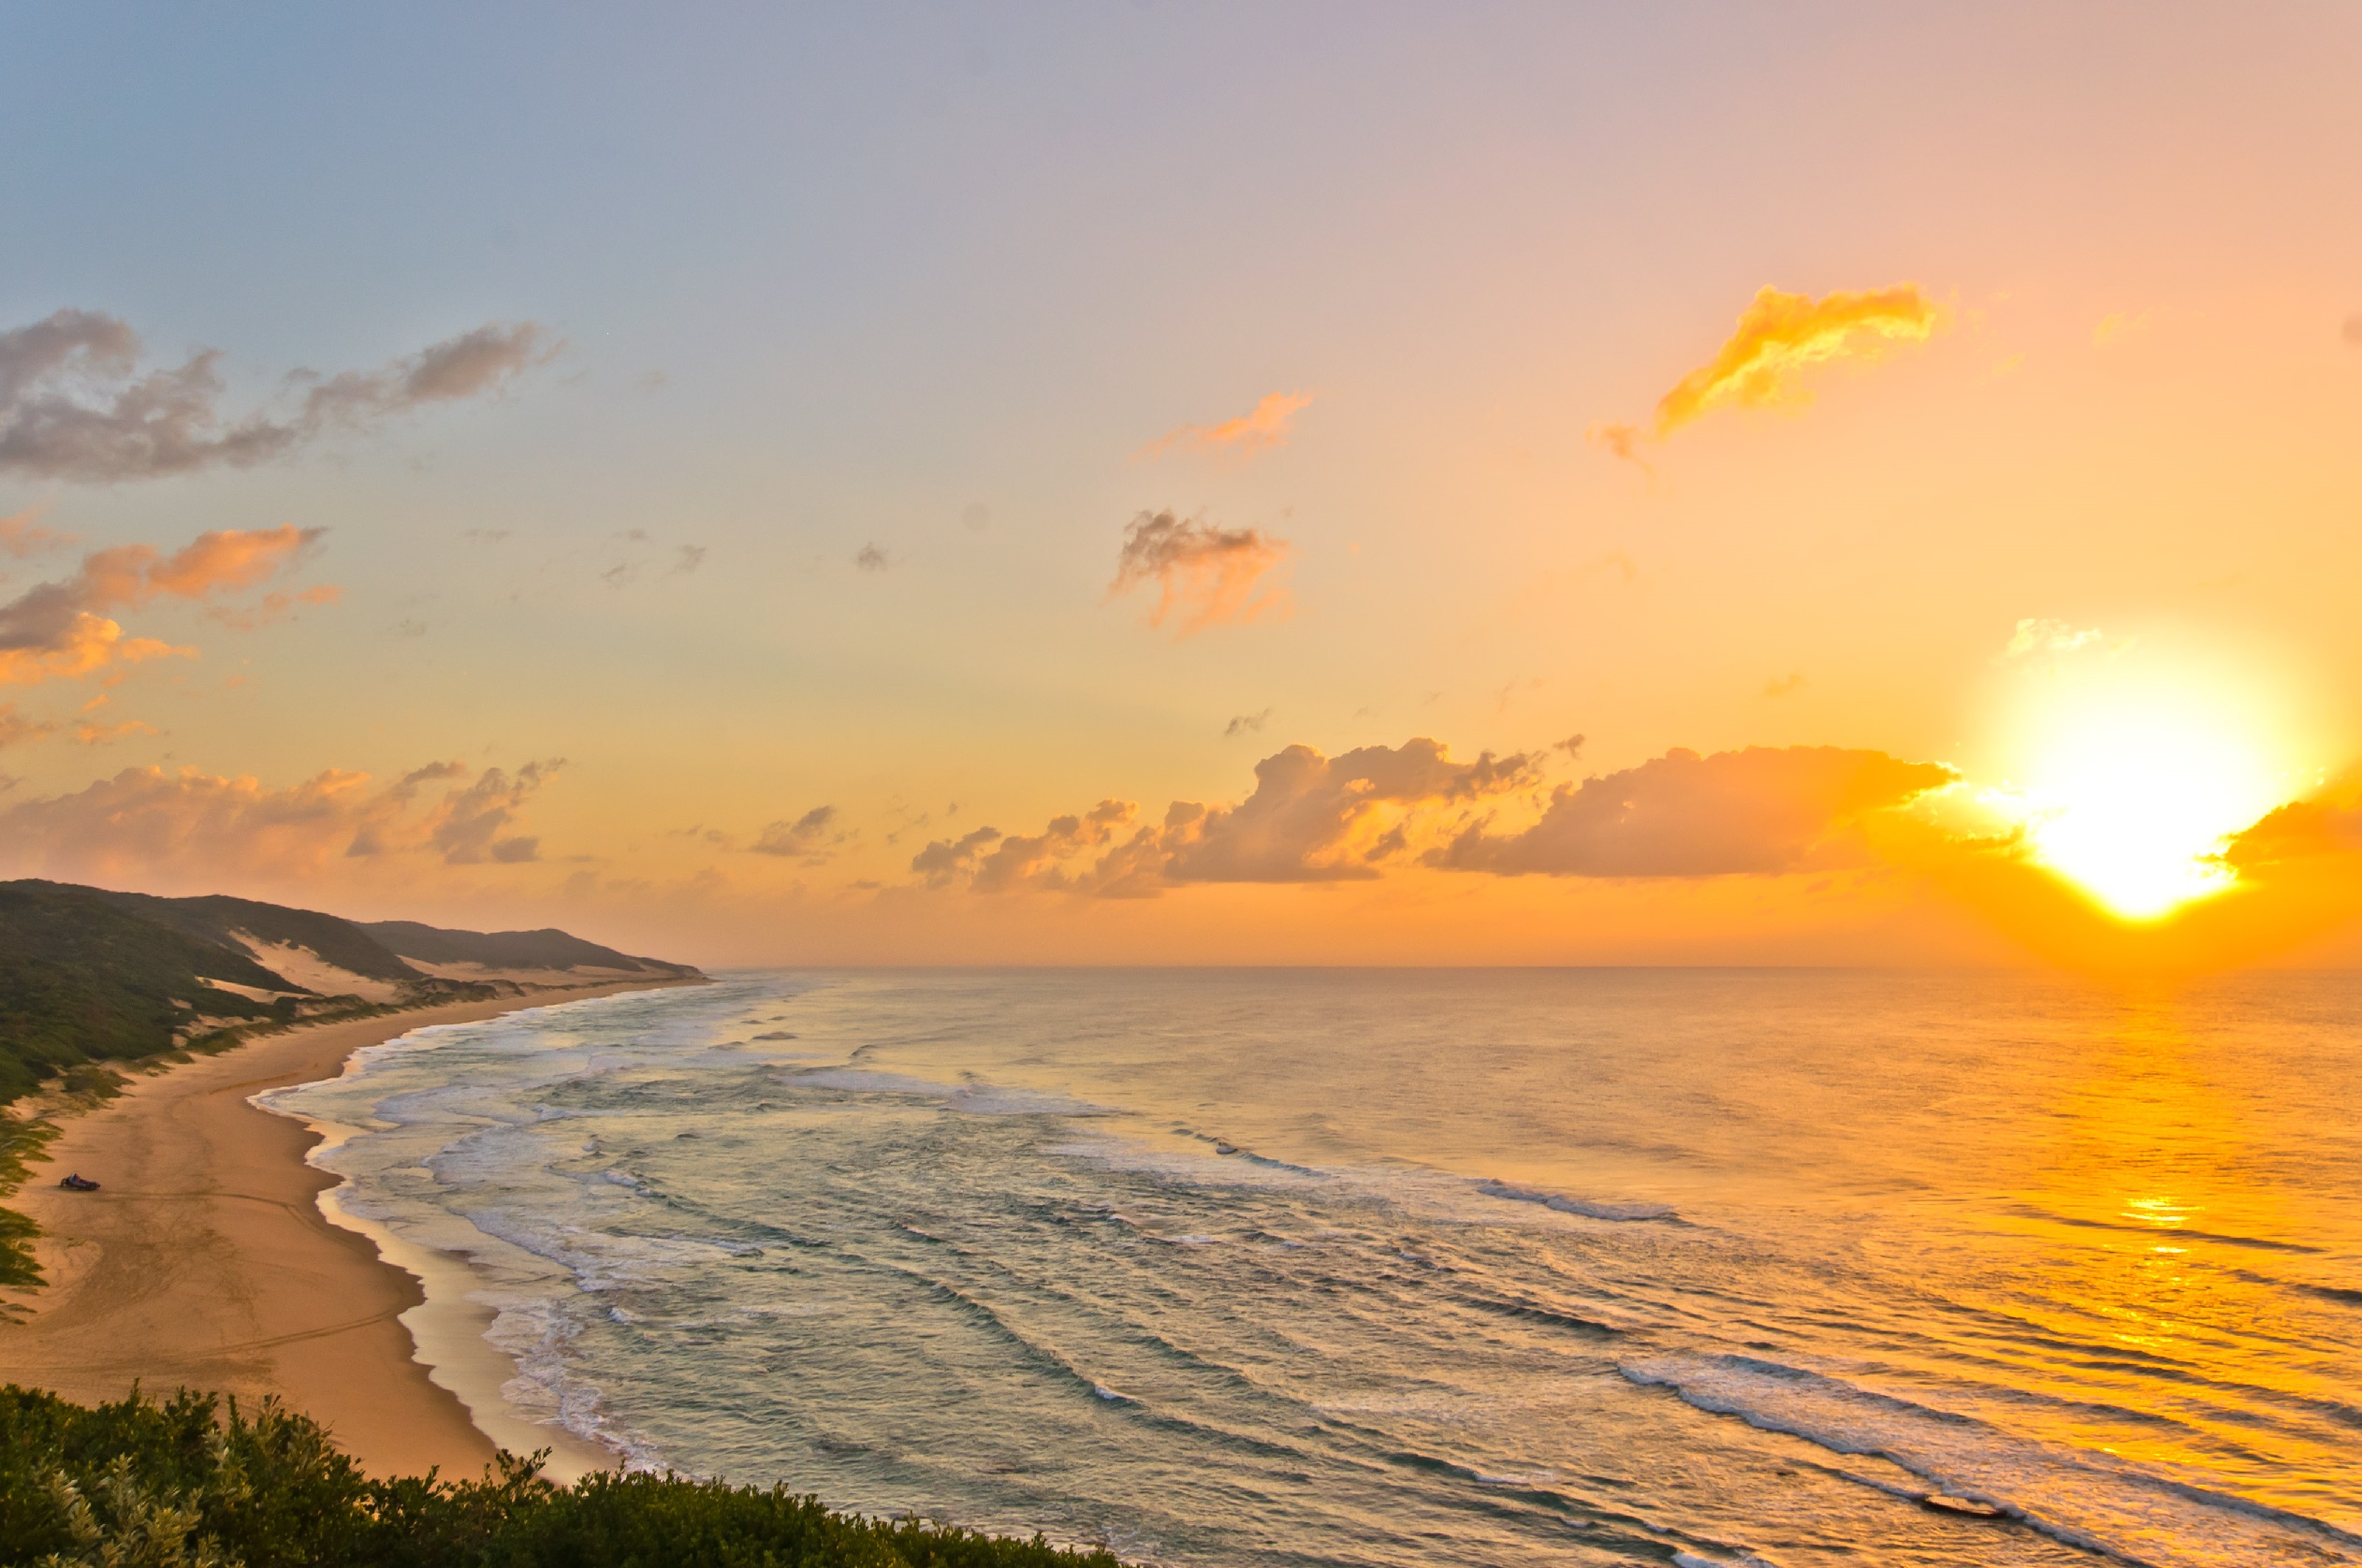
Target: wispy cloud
15	729
1247	724
1209	574
1779	335
21	534
808	838
272	608
1267	424
75	406
2035	637
100	735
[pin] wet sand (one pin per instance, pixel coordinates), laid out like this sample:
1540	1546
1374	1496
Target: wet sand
205	1261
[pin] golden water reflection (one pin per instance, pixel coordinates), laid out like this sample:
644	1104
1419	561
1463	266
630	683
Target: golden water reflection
2144	1242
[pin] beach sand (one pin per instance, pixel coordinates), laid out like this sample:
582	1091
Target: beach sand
205	1261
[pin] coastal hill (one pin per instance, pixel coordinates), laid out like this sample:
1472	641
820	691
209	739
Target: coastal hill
88	975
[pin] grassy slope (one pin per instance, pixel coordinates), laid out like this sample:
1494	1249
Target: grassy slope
84	980
90	977
214	919
522	950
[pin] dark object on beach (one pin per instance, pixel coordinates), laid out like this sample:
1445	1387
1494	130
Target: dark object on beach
78	1183
1224	1148
1966	1506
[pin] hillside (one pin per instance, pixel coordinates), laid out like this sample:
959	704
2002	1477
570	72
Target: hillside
89	975
512	949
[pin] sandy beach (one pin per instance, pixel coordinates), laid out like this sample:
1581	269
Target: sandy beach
205	1259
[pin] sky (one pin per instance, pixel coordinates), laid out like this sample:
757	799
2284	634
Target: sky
1195	484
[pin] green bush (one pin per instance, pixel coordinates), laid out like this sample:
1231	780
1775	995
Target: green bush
192	1483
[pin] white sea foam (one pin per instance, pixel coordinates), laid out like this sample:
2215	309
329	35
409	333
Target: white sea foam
882	1277
2082	1498
1591	1208
974	1100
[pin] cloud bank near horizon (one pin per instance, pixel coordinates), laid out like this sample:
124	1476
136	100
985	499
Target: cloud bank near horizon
1761	811
1797	835
187	828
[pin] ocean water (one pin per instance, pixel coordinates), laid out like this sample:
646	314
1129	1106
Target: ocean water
1267	1267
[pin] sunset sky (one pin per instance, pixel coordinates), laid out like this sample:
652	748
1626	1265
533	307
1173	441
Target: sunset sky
1170	482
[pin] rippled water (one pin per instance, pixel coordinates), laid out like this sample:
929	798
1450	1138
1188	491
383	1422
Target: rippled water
1421	1267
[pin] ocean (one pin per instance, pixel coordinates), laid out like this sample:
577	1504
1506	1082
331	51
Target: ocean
1267	1267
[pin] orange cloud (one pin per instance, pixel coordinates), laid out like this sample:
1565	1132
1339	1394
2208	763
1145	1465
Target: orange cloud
100	735
1265	425
225	558
1779	335
2299	830
1761	811
2271	910
1209	573
15	729
190	828
60	629
1838	826
20	533
2297	882
82	644
1309	818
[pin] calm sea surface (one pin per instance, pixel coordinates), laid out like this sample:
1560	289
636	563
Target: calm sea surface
1431	1267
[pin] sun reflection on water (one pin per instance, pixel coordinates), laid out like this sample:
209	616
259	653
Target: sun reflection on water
2144	1245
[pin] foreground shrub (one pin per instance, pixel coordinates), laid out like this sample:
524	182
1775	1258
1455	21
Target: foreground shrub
191	1482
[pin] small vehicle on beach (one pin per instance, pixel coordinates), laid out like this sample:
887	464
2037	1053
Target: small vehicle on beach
78	1183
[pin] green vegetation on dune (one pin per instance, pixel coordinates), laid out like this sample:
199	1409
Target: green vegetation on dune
219	919
85	979
185	1482
522	949
91	977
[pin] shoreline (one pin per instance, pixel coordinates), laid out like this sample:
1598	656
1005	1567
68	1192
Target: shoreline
214	1256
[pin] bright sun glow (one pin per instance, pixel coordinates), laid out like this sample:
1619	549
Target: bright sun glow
2133	779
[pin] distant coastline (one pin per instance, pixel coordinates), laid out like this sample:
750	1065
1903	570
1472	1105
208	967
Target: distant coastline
209	1257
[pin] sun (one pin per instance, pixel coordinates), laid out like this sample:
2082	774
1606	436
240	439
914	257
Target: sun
2132	777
